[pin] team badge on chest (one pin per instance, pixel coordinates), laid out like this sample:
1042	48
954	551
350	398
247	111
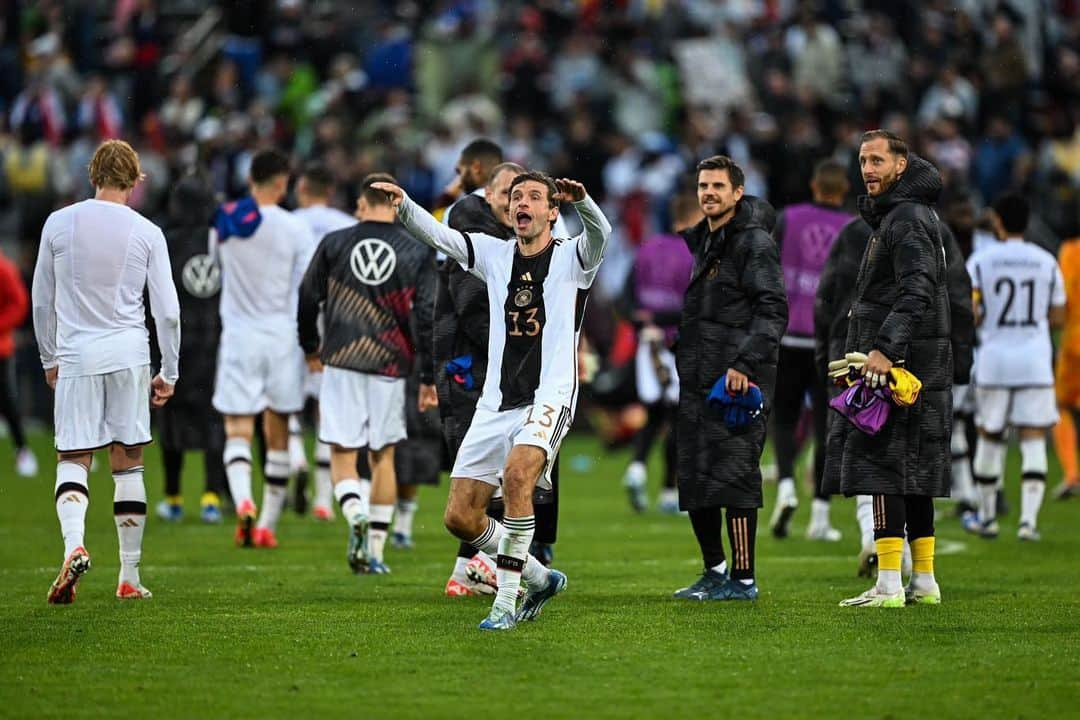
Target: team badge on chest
523	297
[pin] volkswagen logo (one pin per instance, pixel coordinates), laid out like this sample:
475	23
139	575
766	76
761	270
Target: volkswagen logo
201	277
373	261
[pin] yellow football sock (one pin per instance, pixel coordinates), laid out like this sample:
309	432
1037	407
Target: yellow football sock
174	499
890	550
922	556
209	498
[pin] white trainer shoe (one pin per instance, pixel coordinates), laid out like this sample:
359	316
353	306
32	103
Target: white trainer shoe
823	533
26	464
876	598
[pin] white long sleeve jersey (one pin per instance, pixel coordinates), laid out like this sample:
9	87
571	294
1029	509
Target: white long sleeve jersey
536	304
95	260
261	274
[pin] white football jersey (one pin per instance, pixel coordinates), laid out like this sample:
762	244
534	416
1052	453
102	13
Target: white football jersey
323	219
536	305
1018	282
260	275
95	260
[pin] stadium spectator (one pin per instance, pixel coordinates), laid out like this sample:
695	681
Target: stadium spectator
14	304
734	314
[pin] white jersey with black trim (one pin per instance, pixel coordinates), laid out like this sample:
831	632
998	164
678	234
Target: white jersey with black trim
323	219
95	260
536	304
1018	282
261	274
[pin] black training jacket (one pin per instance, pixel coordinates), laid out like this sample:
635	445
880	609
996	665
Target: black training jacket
369	280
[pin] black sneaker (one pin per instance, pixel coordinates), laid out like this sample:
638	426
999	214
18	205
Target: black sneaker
709	581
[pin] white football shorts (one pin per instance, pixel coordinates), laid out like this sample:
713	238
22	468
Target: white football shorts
358	410
255	372
998	408
92	411
492	434
647	370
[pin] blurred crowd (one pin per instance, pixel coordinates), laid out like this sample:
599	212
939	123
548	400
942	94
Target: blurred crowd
624	95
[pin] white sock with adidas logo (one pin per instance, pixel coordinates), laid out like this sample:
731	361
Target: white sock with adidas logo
129	511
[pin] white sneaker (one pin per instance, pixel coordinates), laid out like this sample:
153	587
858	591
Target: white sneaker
922	594
786	503
26	464
1028	532
876	598
824	533
634	481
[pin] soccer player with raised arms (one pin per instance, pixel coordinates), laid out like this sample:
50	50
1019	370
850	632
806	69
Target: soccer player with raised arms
537	288
96	259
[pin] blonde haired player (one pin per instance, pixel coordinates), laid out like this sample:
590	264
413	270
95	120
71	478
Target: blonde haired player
95	260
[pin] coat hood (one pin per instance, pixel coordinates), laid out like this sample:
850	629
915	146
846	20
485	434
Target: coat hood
191	203
920	183
473	214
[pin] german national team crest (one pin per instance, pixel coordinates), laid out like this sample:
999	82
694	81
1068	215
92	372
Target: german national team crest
523	297
201	276
373	261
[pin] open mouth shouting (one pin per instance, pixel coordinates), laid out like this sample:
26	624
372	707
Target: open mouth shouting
522	220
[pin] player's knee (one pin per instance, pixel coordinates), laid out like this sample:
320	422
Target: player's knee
518	475
460	522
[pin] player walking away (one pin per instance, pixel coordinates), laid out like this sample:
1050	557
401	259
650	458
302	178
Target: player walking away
900	314
13	307
654	298
537	288
1020	296
313	192
369	278
1067	380
189	422
96	259
733	317
805	234
264	251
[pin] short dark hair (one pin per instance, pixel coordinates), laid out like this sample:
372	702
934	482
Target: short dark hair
503	167
268	164
318	178
374	196
486	151
723	162
1013	211
831	177
897	145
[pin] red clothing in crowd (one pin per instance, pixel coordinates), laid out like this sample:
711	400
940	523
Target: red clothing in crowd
14	303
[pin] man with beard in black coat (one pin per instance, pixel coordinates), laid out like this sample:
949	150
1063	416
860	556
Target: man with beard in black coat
729	339
900	316
189	422
831	307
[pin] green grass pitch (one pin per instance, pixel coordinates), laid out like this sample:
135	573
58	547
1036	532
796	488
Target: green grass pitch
292	633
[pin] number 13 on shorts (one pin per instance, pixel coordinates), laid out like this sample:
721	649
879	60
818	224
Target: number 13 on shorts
547	423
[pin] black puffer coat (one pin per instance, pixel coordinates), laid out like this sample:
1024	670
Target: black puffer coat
837	287
901	308
734	316
461	316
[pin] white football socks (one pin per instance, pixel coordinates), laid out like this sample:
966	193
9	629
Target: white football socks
864	515
237	458
513	553
403	520
72	499
353	501
275	489
129	512
381	515
324	488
